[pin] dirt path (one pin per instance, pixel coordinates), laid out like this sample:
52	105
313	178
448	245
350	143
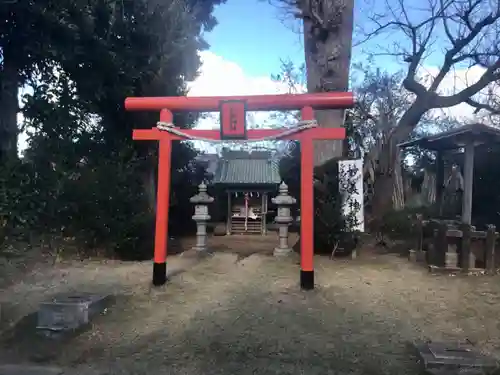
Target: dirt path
226	317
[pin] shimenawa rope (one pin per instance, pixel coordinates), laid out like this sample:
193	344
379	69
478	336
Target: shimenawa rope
300	126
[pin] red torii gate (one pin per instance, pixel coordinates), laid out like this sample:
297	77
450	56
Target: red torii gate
233	126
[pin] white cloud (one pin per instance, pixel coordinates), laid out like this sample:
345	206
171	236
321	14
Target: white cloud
454	82
221	77
218	77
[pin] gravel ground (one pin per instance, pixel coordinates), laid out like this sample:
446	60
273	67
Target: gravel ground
230	314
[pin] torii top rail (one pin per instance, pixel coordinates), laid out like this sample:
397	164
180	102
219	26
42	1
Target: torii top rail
233	126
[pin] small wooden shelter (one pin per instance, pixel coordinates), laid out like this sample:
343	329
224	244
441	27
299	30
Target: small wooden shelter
248	179
468	138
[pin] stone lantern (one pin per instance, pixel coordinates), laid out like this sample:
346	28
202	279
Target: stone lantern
201	217
283	218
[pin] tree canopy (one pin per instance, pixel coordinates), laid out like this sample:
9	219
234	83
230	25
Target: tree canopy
81	174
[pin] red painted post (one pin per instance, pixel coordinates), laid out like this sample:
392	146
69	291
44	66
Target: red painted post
307	207
162	206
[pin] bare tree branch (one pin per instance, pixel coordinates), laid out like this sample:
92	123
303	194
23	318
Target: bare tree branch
467	30
489	76
482	106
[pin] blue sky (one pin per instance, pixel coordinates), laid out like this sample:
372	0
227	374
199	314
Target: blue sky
251	34
256	35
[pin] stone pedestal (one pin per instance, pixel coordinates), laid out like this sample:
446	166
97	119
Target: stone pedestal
201	217
417	256
451	258
283	219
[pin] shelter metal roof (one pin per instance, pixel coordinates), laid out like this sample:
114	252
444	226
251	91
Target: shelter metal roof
456	138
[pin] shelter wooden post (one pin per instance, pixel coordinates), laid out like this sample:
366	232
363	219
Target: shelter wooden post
264	213
489	253
440	246
229	213
468	181
465	250
439	181
419	233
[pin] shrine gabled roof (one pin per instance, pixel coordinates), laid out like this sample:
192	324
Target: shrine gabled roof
238	168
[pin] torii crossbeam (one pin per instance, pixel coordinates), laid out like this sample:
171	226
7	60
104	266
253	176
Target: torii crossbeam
233	127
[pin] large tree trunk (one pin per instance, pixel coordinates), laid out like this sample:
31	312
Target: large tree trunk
398	195
328	56
9	107
388	167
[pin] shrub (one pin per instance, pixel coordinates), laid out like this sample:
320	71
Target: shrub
399	224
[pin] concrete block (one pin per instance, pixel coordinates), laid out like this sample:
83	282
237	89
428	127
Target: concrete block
453	358
70	311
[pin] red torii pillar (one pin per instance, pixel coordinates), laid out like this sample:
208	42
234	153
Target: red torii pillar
233	126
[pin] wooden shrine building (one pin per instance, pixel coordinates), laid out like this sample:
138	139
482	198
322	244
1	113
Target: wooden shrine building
475	140
248	180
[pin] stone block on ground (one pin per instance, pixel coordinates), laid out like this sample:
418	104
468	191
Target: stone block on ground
417	256
421	256
220	230
453	358
29	370
70	311
451	259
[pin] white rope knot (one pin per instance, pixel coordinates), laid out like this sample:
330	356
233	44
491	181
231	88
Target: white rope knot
300	126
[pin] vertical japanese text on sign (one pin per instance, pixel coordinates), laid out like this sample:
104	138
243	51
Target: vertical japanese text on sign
233	120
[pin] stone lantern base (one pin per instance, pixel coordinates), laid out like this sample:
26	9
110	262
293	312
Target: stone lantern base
280	252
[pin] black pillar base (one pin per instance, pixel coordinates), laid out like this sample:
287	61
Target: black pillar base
159	274
307	280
